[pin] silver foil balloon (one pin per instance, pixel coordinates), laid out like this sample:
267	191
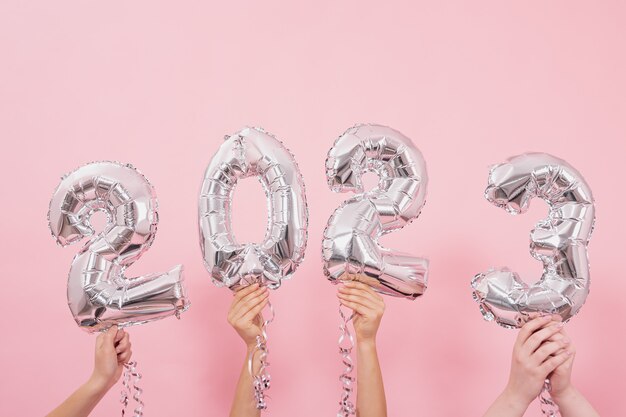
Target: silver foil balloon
252	152
559	242
350	248
99	294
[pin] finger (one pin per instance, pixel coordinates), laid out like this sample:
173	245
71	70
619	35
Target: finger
124	353
252	295
530	327
249	303
357	308
246	290
123	344
120	335
238	302
363	291
548	349
570	361
557	336
563	332
364	287
100	340
555	361
537	338
109	335
254	312
125	356
365	302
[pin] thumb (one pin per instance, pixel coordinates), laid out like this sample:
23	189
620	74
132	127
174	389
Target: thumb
109	336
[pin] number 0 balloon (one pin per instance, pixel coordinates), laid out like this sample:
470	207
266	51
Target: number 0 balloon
252	152
98	292
559	242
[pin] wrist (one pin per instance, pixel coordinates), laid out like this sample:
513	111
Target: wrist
250	344
515	400
97	384
366	343
564	395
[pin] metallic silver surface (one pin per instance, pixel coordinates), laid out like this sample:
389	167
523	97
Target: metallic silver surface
350	248
253	152
559	242
99	294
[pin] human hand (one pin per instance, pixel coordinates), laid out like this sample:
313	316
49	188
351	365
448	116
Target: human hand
113	350
368	307
537	352
245	312
561	377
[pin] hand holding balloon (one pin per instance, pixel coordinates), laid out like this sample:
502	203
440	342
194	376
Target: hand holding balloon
538	351
536	354
245	310
570	401
368	307
542	351
245	317
113	350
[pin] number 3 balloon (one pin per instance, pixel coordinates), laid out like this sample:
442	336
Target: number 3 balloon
559	242
350	248
99	294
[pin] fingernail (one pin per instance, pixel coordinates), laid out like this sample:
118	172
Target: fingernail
560	325
565	341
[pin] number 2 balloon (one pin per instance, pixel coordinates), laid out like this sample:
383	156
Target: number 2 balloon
350	248
98	293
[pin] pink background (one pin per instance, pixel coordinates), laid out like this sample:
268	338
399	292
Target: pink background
158	84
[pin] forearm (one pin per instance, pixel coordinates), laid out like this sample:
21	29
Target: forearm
82	401
507	405
244	403
371	400
573	404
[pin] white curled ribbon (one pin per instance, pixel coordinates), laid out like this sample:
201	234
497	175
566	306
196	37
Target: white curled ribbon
261	379
130	371
346	343
548	406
